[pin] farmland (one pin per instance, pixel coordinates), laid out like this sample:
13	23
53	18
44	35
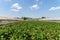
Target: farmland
30	30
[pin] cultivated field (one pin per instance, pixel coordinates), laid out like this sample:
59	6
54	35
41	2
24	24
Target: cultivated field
30	30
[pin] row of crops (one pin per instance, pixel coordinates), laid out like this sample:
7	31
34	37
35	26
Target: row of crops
30	30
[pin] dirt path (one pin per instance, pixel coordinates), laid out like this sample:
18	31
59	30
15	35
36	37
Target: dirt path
6	22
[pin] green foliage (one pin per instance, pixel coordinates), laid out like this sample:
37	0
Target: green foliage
24	18
30	30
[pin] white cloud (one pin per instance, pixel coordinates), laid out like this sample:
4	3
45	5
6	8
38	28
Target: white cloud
16	7
36	6
54	8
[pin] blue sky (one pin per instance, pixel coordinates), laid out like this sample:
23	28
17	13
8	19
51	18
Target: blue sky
30	8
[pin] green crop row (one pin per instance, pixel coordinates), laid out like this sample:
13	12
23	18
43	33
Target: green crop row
30	30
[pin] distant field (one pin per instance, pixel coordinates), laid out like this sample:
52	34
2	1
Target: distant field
30	30
6	22
53	21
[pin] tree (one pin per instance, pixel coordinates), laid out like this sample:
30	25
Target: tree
43	17
24	18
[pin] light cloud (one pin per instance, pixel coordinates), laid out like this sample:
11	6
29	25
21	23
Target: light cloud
16	7
7	0
36	6
37	0
54	8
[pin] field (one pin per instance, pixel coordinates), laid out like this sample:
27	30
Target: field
30	30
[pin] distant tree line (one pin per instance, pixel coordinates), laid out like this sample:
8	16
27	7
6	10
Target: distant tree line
25	18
